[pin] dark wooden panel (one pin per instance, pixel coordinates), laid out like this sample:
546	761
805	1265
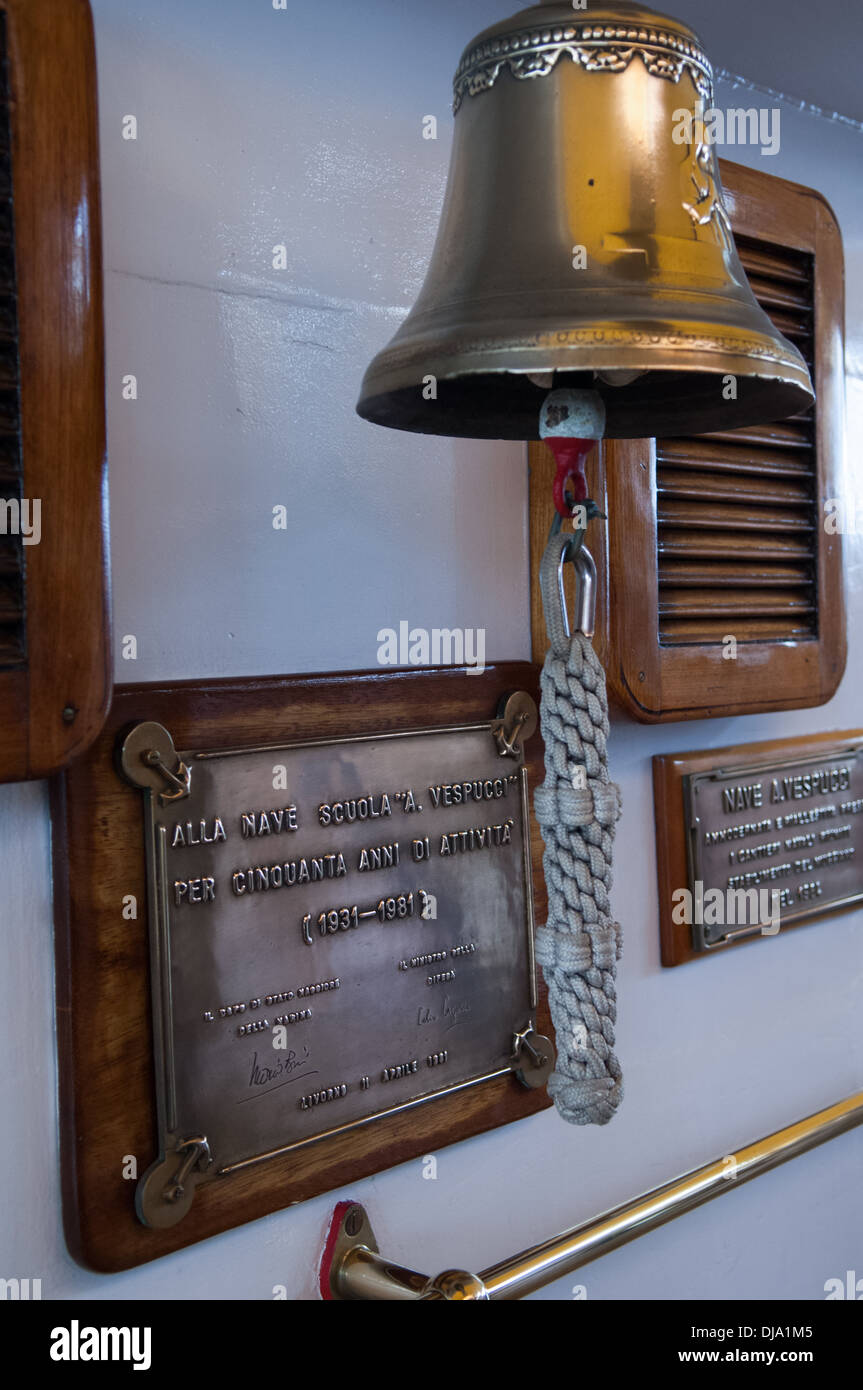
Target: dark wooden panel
65	663
105	1046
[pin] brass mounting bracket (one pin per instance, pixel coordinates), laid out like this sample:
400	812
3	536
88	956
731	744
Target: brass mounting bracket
167	1189
150	761
532	1059
351	1260
515	723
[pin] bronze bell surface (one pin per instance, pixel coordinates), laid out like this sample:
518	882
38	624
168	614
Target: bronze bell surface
584	243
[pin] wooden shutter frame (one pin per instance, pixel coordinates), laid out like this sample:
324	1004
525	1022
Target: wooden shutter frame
657	683
53	704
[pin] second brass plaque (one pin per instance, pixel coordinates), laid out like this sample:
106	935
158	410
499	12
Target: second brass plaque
778	841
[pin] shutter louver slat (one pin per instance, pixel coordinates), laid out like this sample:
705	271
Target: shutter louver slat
748	603
703	630
699	514
737	510
787	434
732	457
715	485
703	573
10	608
708	544
794	298
775	263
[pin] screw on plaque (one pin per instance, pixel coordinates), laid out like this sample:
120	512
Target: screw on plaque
532	1058
515	723
166	1190
149	760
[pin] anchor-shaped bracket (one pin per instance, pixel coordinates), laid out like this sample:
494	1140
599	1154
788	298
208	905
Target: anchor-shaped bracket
515	723
166	1190
532	1059
149	760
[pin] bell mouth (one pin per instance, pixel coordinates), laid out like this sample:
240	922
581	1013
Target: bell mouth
507	404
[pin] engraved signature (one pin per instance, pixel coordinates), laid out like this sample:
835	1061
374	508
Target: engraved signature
284	1072
454	1013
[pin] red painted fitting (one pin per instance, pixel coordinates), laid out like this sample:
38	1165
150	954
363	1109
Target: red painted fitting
329	1250
571	455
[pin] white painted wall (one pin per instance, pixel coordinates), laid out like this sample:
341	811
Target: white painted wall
258	127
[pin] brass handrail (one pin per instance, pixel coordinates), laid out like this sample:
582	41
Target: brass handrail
356	1270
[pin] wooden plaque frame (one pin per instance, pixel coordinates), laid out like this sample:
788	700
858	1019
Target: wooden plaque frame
669	770
107	1087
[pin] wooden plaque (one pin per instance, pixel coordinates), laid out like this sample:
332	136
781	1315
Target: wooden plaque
106	1039
774	829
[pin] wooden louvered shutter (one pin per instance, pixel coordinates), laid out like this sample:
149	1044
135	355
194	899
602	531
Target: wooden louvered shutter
737	513
723	535
55	679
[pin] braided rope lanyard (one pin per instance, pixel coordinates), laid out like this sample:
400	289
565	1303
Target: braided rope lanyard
577	808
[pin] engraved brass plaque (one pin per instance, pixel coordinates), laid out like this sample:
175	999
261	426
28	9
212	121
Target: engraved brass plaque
771	843
338	930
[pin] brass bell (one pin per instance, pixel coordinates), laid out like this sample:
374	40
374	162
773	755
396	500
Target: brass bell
584	243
